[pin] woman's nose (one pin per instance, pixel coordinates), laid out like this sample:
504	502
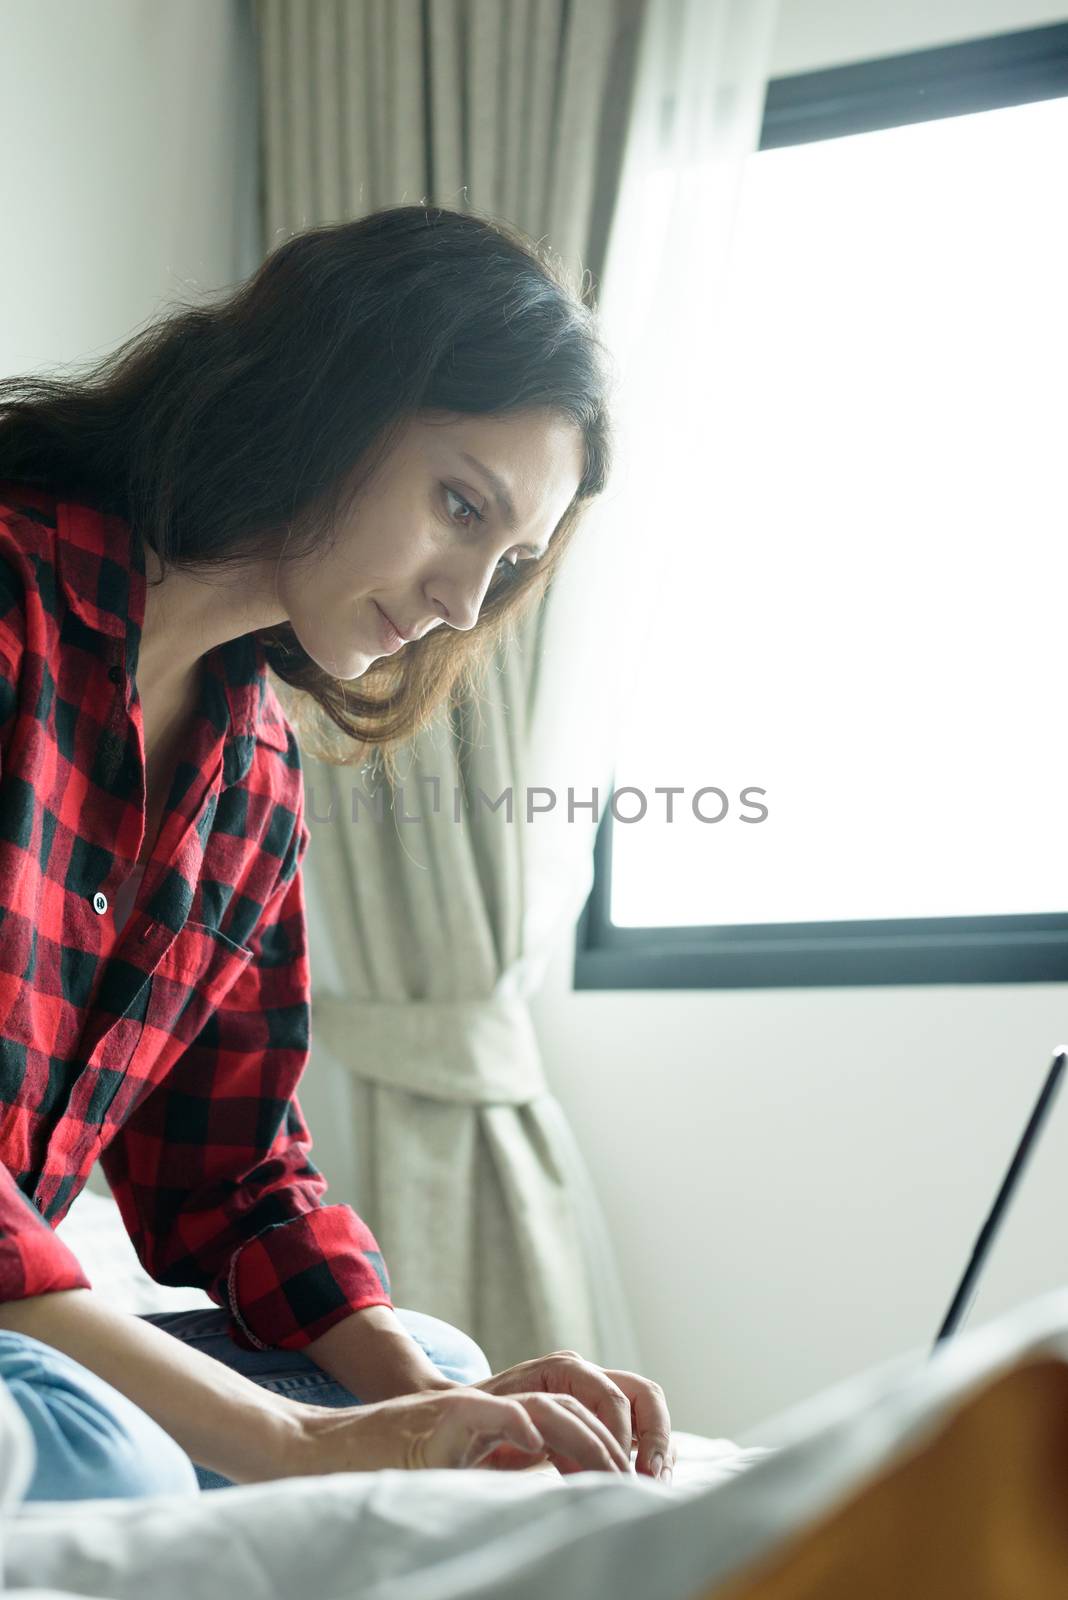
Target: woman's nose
462	600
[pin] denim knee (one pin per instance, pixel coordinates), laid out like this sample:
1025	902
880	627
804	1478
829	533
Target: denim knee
450	1349
91	1442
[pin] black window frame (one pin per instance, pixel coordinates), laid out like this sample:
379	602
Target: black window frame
982	74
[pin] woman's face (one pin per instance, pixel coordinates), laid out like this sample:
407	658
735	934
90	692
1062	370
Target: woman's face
429	532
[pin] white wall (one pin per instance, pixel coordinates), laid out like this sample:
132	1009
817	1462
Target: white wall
825	33
128	177
129	172
794	1178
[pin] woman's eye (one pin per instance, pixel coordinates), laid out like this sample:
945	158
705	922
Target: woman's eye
477	516
505	568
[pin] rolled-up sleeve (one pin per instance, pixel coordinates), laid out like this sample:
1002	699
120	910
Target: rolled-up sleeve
33	1259
213	1173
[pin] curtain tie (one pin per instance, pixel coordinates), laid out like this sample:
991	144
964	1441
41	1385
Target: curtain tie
481	1051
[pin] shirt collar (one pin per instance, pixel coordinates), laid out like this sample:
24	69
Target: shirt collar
101	565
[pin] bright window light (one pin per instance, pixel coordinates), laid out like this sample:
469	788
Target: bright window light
877	560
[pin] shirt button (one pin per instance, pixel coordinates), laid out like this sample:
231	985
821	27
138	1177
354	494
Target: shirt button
115	674
100	903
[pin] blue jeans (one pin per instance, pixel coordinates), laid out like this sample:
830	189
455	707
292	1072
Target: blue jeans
94	1444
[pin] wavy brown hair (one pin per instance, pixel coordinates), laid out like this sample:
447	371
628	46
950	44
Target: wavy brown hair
246	428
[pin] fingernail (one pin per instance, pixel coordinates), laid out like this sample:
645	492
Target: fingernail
665	1476
655	1465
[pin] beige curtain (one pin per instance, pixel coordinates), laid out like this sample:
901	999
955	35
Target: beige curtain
426	945
516	107
619	131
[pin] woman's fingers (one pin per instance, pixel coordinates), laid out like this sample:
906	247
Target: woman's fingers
652	1421
633	1408
557	1426
572	1433
463	1426
566	1372
600	1394
474	1425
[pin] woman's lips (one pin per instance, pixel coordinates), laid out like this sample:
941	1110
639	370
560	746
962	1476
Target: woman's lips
390	637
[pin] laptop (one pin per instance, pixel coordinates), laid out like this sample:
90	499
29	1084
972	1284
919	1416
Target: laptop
960	1305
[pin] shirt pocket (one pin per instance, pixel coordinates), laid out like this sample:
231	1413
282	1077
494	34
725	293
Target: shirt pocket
191	980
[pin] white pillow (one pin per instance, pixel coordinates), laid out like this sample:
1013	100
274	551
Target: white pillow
93	1229
17	1456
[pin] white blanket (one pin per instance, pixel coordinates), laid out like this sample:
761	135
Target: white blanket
481	1535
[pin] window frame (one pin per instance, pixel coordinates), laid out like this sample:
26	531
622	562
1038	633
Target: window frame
927	85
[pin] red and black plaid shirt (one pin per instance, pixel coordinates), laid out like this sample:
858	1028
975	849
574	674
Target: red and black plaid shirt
171	1050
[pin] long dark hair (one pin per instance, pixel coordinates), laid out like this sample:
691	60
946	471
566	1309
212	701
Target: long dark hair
246	428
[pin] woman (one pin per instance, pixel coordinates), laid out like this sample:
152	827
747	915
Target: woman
360	467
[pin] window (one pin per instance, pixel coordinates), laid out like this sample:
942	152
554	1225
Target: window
881	559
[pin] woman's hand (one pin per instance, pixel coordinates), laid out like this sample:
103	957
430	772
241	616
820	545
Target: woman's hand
633	1409
454	1427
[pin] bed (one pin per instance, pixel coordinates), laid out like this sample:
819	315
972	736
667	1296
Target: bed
947	1478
